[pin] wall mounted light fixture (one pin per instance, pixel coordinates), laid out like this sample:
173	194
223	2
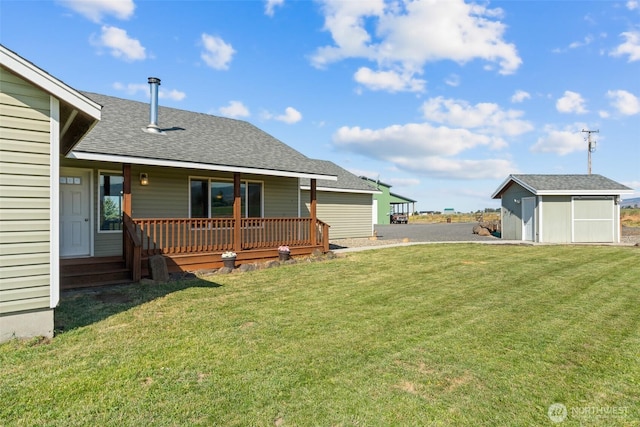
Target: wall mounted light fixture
144	179
516	201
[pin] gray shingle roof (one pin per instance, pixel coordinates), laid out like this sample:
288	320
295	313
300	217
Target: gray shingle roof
346	180
565	184
189	137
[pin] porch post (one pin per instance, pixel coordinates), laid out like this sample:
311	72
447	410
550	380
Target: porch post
126	202
313	213
237	214
126	189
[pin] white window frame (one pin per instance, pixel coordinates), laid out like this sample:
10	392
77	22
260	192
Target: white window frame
210	179
99	202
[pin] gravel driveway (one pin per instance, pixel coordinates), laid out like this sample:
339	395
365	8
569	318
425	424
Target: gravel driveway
454	232
402	233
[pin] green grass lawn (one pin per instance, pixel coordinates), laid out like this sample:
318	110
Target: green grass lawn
470	335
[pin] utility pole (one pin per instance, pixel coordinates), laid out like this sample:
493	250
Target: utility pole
592	145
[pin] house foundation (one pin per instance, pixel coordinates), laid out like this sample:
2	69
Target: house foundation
26	324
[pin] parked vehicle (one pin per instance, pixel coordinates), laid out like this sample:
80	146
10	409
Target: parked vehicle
399	218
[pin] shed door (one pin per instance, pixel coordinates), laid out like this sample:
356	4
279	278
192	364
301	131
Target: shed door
75	205
593	219
528	223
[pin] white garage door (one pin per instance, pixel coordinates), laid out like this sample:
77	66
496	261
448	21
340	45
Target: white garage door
593	219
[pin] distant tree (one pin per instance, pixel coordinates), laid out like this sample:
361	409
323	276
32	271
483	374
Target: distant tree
110	210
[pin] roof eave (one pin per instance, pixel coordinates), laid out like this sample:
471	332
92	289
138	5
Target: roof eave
341	190
583	192
81	155
47	82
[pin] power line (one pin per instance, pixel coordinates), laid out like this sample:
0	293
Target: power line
591	146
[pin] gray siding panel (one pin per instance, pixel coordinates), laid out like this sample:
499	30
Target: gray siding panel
280	197
24	195
512	212
349	214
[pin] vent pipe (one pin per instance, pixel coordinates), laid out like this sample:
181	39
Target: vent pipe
153	127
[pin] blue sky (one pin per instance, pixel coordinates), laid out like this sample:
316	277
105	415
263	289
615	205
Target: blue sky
442	99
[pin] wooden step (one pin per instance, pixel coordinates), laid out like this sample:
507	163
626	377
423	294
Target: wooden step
90	272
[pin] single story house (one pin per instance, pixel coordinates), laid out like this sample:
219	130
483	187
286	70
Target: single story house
561	208
346	204
387	203
92	186
40	117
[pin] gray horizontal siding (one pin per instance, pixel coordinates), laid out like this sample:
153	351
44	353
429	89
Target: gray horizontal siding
24	195
348	214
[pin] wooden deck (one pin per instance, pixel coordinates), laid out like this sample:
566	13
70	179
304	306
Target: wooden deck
189	244
102	271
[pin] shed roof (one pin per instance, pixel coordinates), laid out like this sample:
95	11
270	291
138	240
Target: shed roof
189	140
401	199
347	182
541	185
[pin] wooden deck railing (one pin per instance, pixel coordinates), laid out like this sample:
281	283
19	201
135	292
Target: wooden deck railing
193	235
132	249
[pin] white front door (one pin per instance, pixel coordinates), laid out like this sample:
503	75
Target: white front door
528	215
75	208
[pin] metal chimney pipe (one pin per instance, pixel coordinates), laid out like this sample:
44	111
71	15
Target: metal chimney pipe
153	127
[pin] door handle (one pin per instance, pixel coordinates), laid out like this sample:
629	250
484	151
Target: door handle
86	220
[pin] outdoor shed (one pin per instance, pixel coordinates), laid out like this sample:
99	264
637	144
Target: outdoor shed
346	204
40	119
561	208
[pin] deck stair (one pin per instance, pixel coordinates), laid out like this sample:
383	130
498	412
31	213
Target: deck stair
96	271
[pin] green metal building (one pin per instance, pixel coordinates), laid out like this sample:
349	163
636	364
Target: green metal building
386	202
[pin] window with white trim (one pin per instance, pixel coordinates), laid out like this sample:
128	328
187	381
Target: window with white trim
110	188
213	198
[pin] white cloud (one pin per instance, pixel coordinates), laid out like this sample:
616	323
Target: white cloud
95	10
439	167
587	41
520	96
173	94
571	102
453	80
403	182
388	80
290	116
417	139
486	118
423	148
270	5
133	89
625	102
235	109
217	54
406	35
630	47
632	4
603	114
120	44
436	148
560	142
